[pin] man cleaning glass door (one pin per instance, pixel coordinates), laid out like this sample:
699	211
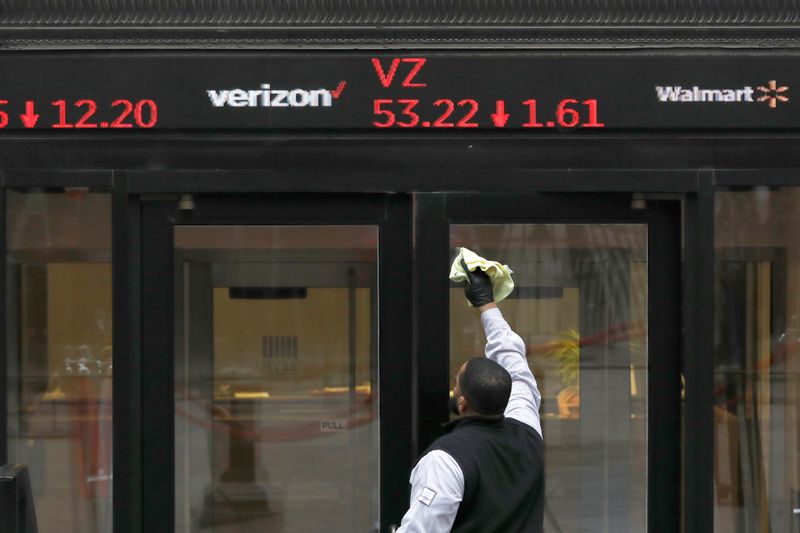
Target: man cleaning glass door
487	472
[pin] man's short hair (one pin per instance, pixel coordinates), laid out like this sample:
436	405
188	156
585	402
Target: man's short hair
486	385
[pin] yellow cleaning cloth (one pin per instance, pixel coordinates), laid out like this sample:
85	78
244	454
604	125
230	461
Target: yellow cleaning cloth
500	274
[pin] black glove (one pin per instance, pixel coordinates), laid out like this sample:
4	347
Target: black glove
479	287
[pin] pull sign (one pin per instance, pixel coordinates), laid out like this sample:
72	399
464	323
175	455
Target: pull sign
330	426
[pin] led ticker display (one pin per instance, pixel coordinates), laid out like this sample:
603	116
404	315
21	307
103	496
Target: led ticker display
435	91
464	113
447	113
83	114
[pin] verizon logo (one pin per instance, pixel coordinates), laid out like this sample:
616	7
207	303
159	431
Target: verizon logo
267	96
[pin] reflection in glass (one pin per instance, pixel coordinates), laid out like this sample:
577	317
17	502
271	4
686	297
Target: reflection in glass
580	304
757	361
59	355
276	379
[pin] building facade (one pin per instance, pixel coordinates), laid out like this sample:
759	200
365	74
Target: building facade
227	230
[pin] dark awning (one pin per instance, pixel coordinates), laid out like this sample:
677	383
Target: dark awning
402	23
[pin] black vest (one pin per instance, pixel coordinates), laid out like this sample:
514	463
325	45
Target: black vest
503	464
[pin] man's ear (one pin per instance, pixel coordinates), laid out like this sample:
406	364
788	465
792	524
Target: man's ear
462	405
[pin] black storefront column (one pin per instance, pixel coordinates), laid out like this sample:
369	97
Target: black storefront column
699	358
126	275
3	325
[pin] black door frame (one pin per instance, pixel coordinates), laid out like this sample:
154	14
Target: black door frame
391	213
437	211
49	164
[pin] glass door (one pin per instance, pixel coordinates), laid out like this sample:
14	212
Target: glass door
58	396
597	304
281	418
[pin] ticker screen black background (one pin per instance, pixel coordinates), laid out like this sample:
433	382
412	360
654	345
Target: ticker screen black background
623	83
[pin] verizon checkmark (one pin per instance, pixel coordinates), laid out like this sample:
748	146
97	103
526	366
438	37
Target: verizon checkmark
337	92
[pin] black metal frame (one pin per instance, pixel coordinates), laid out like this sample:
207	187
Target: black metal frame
3	327
424	161
129	186
758	160
57	179
437	211
664	412
128	412
16	500
699	369
393	216
417	180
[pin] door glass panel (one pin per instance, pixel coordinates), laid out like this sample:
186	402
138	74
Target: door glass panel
580	305
757	361
276	362
58	350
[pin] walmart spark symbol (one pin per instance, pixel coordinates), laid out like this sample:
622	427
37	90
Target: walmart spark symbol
772	94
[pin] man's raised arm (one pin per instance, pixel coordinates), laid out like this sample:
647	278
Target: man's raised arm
508	350
505	348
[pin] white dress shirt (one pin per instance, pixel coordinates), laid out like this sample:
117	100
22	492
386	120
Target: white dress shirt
437	482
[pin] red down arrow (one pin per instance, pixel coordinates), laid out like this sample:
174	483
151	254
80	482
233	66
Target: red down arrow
500	117
30	118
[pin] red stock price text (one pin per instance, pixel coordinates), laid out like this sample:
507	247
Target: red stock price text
82	113
409	73
465	113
